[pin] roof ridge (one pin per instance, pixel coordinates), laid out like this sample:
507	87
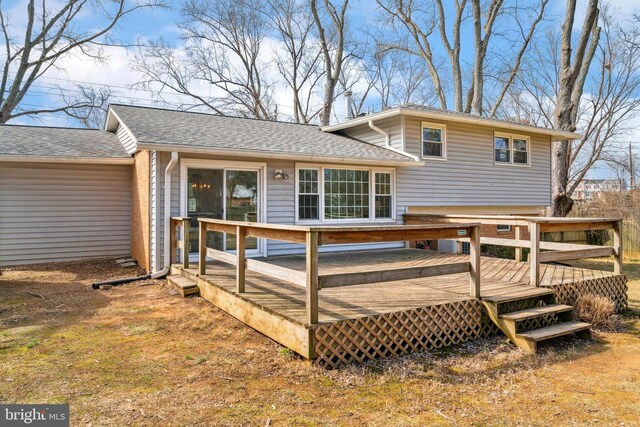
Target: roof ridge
148	107
51	127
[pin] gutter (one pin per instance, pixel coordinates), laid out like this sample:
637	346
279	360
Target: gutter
278	156
60	159
387	142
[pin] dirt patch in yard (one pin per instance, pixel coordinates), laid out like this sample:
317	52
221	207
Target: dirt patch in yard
139	354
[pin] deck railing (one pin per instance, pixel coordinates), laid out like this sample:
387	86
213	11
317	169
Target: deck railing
312	238
179	229
544	251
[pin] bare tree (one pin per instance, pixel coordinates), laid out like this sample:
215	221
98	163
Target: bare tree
223	46
419	19
331	27
47	36
601	106
299	59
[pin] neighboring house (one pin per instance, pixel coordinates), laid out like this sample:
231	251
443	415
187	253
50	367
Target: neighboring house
69	193
588	189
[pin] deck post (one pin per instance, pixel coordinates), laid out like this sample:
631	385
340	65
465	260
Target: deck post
534	256
172	241
241	259
518	249
617	246
186	229
202	249
474	261
312	277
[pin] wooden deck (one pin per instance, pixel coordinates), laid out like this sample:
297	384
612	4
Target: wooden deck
335	304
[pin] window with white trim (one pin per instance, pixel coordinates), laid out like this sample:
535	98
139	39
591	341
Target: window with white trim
336	194
383	195
510	149
503	228
308	194
433	140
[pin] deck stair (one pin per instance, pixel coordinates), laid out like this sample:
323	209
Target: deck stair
183	285
531	315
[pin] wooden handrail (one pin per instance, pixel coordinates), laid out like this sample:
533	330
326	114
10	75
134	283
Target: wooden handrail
315	236
539	225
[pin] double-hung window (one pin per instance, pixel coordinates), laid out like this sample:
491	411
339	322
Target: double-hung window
510	149
341	194
434	141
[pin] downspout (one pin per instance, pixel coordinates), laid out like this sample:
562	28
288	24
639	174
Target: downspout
387	142
167	233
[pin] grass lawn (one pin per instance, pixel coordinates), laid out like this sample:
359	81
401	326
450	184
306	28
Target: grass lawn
140	355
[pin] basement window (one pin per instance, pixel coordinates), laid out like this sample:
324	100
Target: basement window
503	228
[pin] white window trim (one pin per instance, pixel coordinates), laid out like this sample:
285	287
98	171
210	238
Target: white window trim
372	171
507	230
443	128
224	165
511	137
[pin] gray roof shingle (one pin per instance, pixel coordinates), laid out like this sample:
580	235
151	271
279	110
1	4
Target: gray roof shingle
202	130
17	140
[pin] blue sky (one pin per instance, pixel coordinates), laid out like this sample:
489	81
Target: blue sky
117	73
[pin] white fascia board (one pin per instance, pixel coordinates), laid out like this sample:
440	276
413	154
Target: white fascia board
52	159
556	135
278	156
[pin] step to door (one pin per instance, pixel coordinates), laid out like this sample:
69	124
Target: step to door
561	329
532	313
184	286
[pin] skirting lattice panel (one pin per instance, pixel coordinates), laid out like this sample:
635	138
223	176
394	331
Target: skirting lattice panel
390	334
612	287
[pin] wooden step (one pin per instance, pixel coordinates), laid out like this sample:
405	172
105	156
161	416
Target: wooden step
532	313
525	293
183	285
566	328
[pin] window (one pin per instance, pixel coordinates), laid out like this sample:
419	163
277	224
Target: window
334	194
346	194
433	140
383	195
520	151
502	149
503	228
511	149
308	194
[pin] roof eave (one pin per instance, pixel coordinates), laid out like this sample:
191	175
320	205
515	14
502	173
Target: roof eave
66	159
555	134
270	155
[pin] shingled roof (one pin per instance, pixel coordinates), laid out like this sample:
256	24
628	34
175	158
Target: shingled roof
40	141
243	135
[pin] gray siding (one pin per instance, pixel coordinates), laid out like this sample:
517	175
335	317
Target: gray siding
469	177
280	207
126	139
59	212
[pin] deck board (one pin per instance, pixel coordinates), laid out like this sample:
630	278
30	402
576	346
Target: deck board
498	276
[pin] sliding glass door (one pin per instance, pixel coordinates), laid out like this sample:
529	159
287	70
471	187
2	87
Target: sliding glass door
231	194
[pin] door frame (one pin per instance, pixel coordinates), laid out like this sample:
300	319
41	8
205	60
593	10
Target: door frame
224	165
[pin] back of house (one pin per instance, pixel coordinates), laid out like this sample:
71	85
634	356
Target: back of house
70	194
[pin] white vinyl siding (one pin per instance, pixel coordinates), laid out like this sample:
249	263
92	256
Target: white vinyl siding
470	177
61	212
391	125
126	139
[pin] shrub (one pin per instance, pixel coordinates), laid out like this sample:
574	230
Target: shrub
597	310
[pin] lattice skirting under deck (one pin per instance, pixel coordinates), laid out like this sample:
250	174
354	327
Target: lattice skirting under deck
613	287
391	334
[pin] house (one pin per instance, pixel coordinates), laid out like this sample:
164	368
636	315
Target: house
589	189
72	193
